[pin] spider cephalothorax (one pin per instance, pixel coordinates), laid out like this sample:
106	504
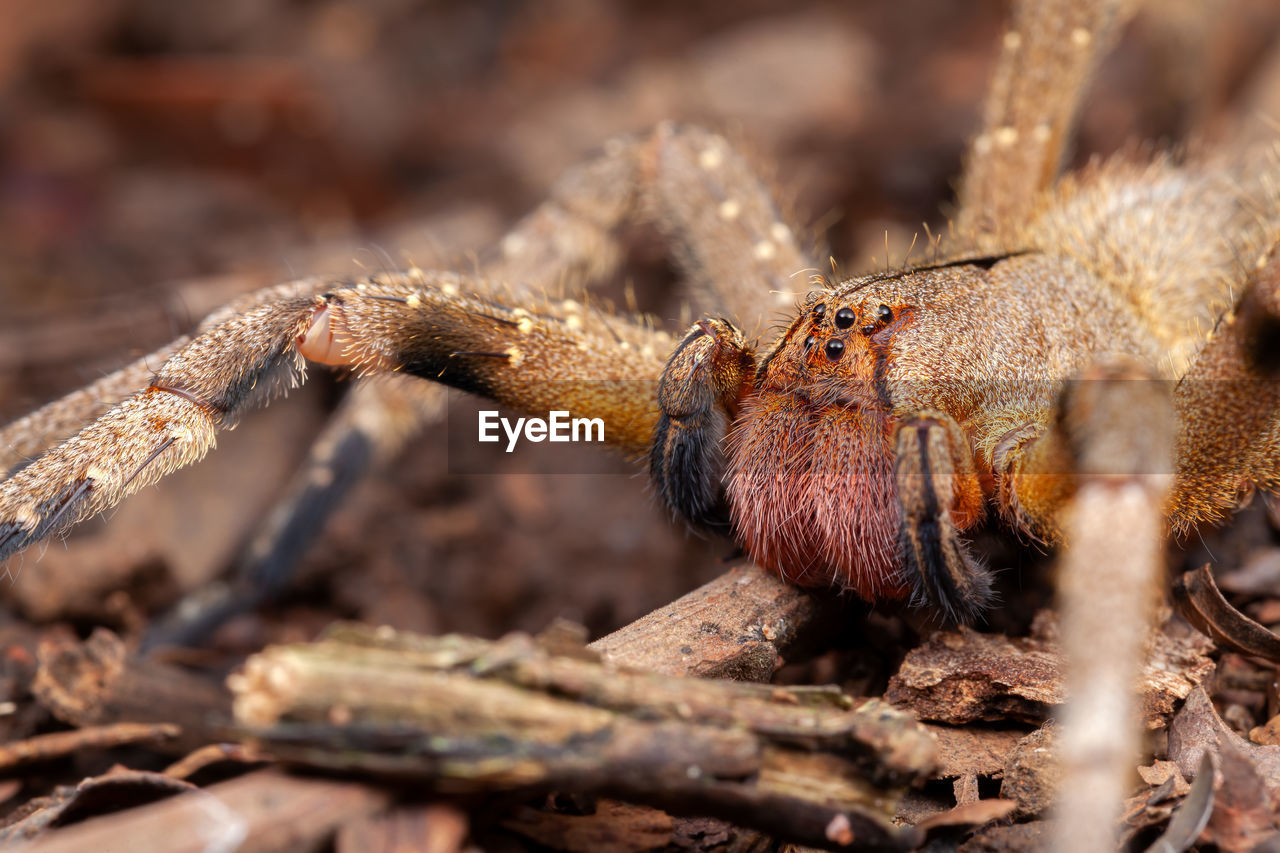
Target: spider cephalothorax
894	409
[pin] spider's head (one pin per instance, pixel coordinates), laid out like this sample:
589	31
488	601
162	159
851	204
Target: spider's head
811	476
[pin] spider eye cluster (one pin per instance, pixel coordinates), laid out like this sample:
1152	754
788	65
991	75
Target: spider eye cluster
842	320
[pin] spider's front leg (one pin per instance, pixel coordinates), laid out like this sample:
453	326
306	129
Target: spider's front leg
940	496
699	393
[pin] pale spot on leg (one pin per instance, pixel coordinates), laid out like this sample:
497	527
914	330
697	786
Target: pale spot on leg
1006	136
780	232
1012	41
98	473
26	516
515	356
1081	37
729	210
1042	133
764	250
710	158
512	245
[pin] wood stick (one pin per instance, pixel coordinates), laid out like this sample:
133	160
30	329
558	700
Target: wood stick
738	626
461	715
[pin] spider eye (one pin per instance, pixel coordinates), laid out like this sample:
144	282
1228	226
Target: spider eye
809	342
819	309
884	314
845	318
834	349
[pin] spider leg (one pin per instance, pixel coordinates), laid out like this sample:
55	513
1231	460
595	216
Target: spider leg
1047	59
567	239
672	175
735	249
242	353
415	323
1229	407
701	385
940	496
29	436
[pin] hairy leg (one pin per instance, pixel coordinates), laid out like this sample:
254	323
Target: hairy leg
698	395
1047	59
940	496
417	323
741	249
1229	407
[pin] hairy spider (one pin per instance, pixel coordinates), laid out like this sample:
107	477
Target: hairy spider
893	413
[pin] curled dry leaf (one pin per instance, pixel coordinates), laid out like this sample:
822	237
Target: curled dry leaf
1204	606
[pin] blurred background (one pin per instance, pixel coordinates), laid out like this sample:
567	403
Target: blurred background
158	158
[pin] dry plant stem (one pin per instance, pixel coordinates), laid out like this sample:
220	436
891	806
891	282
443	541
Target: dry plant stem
1047	59
797	764
58	744
1115	529
213	753
263	812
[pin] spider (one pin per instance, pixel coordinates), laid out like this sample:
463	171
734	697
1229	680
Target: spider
892	413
